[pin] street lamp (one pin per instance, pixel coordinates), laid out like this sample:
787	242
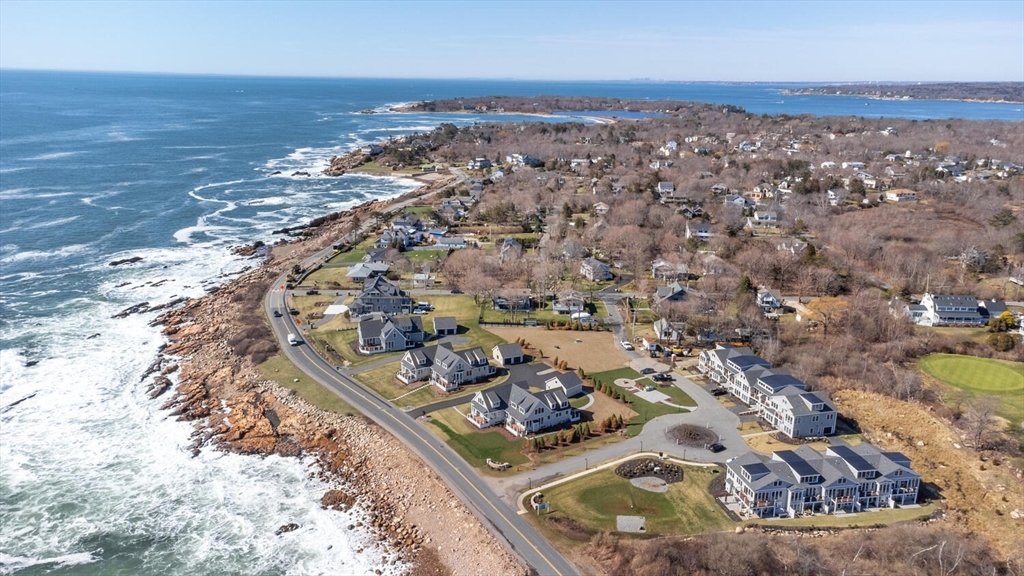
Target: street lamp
641	445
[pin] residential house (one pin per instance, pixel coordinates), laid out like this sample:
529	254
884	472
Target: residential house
901	195
669	149
569	303
837	196
794	246
510	250
666	188
950	310
511	353
379	295
375	255
779	398
423	281
379	332
517	303
445	325
769	300
669	332
361	271
569	383
699	230
801	481
445	368
479	164
735	200
692	211
521	412
601	209
666	270
447	243
719	189
853	165
763	219
674	292
373	149
595	270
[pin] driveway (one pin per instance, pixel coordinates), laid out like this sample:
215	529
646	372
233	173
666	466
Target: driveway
653	439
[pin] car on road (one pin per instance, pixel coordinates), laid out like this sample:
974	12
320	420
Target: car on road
456	291
662	377
277	314
716	447
312	292
626	345
647	371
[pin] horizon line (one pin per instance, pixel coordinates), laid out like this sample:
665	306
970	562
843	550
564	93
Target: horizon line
506	79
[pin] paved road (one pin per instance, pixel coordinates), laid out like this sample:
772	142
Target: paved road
499	517
654	437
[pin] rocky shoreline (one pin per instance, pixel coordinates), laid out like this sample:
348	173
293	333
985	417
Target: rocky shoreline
215	344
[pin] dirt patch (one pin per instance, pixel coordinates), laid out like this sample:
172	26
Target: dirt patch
597	353
571	529
693	436
604	407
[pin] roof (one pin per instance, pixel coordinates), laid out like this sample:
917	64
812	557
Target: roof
445	323
955	300
509	350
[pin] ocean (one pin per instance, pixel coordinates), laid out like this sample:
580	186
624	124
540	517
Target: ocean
94	167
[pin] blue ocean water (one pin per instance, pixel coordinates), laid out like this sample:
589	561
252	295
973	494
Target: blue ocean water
174	169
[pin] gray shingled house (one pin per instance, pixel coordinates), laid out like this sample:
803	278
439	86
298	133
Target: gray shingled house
520	411
379	295
804	481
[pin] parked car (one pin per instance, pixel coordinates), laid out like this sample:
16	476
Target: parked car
719	392
716	447
662	377
647	371
626	345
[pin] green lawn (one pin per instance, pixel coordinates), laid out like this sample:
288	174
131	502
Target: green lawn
596	499
981	377
678	396
356	253
644	409
281	370
475	446
424	255
885	516
382	381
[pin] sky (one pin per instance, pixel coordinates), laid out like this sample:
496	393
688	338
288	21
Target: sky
809	41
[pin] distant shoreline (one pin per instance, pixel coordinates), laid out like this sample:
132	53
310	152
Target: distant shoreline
976	92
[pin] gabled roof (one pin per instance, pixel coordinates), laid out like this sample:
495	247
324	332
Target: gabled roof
445	323
509	350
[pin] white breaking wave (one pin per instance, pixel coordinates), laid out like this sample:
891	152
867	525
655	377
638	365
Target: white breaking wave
11	564
54	155
53	223
62	252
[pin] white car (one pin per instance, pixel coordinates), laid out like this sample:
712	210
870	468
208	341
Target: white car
626	345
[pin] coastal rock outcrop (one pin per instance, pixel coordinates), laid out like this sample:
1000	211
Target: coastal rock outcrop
339	165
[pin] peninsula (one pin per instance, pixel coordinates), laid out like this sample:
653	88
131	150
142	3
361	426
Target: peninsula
967	91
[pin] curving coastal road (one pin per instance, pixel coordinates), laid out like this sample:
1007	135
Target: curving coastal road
520	536
492	510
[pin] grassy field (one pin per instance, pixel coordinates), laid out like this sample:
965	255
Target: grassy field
596	499
981	377
475	446
644	409
281	370
870	518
